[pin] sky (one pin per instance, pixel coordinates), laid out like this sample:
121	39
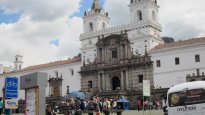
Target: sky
43	31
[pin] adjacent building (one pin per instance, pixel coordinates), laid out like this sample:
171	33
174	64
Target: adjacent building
174	61
64	73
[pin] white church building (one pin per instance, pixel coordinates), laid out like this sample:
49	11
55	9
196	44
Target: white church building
172	62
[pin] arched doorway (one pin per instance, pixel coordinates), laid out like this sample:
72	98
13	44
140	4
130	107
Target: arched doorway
115	82
56	91
192	80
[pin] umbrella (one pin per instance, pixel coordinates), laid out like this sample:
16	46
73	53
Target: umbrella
77	94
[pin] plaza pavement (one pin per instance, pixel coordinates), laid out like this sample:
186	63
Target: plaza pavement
130	112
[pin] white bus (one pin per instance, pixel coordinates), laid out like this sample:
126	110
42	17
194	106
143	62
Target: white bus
187	99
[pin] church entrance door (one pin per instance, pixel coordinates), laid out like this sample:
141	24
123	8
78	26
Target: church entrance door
115	83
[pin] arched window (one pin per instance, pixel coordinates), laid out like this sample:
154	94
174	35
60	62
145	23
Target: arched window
90	84
103	25
155	1
91	26
153	15
139	15
115	83
19	67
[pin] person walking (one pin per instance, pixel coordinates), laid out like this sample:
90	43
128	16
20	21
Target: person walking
49	110
1	105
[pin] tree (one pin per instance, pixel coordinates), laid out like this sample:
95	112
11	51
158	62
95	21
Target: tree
77	56
168	39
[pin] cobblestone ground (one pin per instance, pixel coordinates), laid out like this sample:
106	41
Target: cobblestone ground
132	112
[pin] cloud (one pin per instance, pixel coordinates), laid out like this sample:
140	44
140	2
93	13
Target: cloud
34	32
54	42
41	10
118	11
41	21
181	19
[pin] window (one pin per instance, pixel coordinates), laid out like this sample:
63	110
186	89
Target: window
197	58
91	26
16	59
153	15
155	1
140	77
158	63
187	97
103	25
56	73
177	61
114	54
139	14
72	72
90	84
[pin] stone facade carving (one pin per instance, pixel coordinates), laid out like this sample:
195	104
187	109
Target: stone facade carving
195	77
55	86
115	68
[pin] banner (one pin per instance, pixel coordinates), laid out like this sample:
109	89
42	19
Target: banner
11	103
146	88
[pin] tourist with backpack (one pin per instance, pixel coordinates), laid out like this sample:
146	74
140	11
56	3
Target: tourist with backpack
92	106
106	106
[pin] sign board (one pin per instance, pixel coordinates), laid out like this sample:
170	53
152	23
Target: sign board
11	103
34	85
146	88
33	80
11	89
31	104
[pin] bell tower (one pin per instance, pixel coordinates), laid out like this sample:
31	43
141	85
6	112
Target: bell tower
18	63
144	15
143	10
95	19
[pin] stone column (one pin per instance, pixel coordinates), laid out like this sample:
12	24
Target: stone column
103	82
126	52
121	52
122	81
99	84
127	80
103	55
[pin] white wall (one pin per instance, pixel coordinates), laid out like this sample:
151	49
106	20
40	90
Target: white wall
170	74
1	68
72	80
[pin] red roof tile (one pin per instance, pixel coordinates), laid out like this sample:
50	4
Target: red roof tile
180	43
51	64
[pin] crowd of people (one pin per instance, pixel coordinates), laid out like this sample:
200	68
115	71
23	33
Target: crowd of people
77	106
149	105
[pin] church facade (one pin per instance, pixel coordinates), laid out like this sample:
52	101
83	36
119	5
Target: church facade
115	68
116	58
